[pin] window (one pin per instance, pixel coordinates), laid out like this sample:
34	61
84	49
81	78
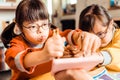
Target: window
69	6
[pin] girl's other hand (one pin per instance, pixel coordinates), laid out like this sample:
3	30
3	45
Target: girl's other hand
55	45
88	42
73	74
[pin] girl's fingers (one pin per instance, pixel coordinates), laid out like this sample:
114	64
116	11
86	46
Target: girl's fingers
75	74
62	75
90	45
85	44
79	40
96	45
56	33
63	39
57	47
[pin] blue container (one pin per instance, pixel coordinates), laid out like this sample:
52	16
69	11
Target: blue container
112	3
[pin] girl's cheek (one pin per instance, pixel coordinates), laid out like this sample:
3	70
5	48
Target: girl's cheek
47	33
106	41
103	44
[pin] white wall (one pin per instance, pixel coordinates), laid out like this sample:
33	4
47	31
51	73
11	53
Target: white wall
115	13
57	7
6	15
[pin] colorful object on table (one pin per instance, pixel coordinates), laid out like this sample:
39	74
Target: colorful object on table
103	75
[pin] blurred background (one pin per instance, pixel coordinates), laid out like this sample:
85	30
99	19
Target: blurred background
63	13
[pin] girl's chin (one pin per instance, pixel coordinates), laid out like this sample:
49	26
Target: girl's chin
41	41
105	43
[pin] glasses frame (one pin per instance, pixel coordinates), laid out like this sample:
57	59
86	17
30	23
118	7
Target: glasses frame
38	27
102	34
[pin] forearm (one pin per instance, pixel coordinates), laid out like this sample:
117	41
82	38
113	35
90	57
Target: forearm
35	58
73	74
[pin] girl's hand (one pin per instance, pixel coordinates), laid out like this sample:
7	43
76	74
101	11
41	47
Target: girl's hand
87	42
55	45
73	74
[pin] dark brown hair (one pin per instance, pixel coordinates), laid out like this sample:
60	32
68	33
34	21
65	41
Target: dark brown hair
27	10
30	10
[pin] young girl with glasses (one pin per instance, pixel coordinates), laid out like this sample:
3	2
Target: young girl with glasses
96	20
31	44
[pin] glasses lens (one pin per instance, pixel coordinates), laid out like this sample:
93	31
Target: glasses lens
102	35
35	28
45	26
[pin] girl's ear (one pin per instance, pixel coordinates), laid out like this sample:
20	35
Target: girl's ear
112	22
17	31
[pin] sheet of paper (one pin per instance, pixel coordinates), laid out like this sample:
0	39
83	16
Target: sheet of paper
86	63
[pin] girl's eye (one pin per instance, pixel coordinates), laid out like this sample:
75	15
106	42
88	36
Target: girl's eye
32	27
104	24
45	24
99	34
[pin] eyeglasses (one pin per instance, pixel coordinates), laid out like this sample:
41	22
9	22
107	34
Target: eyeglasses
36	27
102	34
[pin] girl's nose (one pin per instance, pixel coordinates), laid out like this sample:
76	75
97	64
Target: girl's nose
40	30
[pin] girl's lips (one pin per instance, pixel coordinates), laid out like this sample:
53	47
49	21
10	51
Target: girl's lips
42	38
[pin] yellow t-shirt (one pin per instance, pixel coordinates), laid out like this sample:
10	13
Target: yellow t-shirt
114	49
